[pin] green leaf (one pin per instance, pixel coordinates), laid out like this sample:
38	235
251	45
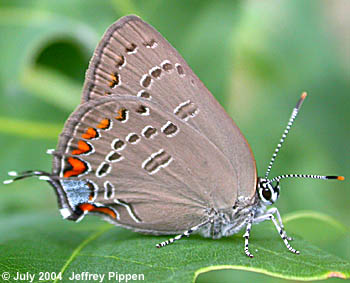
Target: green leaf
43	243
307	214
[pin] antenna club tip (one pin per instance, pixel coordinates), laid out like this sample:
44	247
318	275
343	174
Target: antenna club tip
340	178
303	95
6	182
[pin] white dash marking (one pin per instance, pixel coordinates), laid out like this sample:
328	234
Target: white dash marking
164	63
131	213
124	62
144	130
143	78
150	157
132	46
146	113
105	173
120	148
130	135
113	160
154	45
177	109
95	192
167	163
192	115
139	94
106	190
167	125
179	67
160	166
126	116
154	69
110	126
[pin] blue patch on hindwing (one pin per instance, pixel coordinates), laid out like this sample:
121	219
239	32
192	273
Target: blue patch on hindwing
77	191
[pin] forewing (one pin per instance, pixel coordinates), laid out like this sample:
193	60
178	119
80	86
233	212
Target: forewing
134	59
158	173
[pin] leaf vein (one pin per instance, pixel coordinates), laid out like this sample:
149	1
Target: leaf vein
77	250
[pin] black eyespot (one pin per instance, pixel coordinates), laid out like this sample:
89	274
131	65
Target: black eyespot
267	194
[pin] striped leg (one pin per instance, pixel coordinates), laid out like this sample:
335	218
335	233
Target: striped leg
247	234
274	210
178	237
269	216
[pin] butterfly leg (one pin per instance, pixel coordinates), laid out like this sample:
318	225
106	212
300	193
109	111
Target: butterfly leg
279	218
178	237
269	216
247	234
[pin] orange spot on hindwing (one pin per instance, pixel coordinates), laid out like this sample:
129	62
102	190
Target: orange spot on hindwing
93	194
122	114
86	207
90	133
105	210
115	80
83	147
77	167
104	124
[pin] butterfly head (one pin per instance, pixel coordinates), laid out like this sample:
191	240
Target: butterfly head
267	191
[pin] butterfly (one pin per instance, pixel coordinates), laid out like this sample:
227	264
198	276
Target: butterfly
150	149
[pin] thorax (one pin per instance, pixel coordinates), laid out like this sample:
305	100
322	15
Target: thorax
226	222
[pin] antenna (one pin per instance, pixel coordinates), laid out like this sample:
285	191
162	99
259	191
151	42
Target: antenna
278	178
286	131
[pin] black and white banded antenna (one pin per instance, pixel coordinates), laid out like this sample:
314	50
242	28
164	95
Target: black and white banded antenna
285	133
278	178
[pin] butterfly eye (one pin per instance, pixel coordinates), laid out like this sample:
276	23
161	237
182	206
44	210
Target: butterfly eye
266	193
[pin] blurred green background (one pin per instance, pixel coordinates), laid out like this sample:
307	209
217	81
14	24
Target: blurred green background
256	57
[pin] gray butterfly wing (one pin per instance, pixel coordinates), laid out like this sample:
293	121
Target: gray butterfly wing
134	59
153	170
